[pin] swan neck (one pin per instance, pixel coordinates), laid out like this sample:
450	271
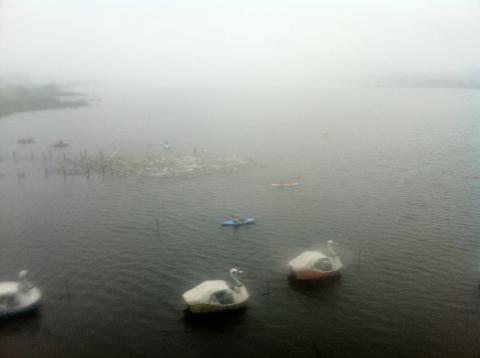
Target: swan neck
332	251
236	281
26	284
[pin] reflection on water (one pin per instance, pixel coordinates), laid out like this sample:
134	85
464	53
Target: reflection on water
27	322
321	287
219	321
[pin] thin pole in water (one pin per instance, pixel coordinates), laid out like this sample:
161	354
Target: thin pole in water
317	352
158	225
359	256
67	289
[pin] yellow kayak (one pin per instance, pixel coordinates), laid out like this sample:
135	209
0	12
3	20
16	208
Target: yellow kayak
284	185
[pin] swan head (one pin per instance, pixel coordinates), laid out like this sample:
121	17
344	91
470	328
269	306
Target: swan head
235	272
23	274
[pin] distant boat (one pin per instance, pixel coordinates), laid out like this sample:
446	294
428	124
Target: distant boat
287	184
237	221
217	296
29	140
166	145
60	144
314	264
18	297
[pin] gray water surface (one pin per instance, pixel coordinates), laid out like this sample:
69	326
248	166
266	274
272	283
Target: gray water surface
386	173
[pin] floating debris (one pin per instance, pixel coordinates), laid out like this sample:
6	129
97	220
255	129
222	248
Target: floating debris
180	165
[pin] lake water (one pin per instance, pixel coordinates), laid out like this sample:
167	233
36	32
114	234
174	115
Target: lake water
387	173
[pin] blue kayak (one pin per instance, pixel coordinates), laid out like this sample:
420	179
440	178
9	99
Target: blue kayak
242	221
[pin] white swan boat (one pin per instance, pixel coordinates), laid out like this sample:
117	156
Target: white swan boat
217	295
18	297
314	264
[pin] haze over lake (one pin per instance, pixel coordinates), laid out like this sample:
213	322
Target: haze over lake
130	130
386	173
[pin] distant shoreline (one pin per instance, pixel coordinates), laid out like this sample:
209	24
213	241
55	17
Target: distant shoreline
18	98
420	82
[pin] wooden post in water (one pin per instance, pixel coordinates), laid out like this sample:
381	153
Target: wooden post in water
67	290
32	156
49	155
267	292
158	225
88	172
316	351
14	156
359	255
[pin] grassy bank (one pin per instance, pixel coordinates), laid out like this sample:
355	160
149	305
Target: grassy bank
15	99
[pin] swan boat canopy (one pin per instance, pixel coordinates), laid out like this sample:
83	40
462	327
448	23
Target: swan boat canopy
315	264
216	296
18	297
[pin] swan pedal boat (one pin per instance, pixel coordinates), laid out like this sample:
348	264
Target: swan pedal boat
18	297
315	265
217	295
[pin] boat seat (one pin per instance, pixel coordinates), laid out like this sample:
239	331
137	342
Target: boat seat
223	297
323	264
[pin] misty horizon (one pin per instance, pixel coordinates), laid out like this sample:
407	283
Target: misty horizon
239	43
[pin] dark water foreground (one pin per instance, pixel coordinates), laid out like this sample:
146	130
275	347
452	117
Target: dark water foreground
388	175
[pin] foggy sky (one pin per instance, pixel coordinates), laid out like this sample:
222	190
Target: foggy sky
214	42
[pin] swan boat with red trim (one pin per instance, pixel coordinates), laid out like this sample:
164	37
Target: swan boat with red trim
315	264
